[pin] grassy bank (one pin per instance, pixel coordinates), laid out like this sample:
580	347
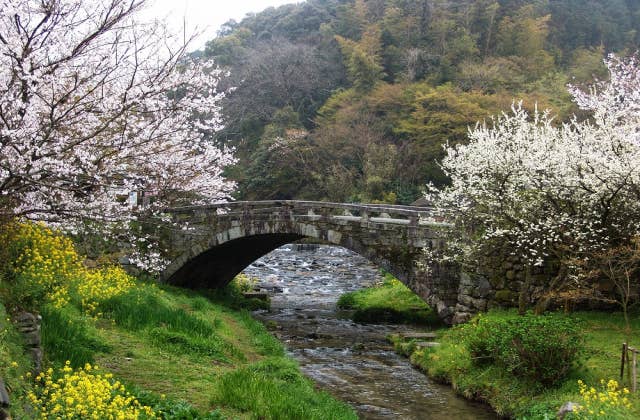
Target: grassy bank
184	355
516	396
390	301
117	346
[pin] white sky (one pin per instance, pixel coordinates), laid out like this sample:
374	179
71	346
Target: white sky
206	15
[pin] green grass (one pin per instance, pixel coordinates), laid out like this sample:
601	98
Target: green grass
69	335
14	364
390	301
164	319
274	388
181	344
513	396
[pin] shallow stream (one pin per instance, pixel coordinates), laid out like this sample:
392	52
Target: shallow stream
352	361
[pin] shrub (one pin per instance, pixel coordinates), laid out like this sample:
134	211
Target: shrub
542	348
244	283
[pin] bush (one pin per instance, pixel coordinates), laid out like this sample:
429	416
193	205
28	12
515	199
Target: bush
244	283
540	348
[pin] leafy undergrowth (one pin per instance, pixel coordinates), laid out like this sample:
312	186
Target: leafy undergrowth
134	349
15	367
390	301
524	398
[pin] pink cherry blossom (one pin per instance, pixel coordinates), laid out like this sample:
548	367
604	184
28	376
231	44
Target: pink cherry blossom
94	104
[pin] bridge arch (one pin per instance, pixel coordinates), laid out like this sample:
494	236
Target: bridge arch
222	239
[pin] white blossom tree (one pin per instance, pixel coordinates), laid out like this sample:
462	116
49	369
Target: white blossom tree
549	191
93	103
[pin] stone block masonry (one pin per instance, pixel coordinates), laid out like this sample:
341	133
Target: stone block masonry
210	245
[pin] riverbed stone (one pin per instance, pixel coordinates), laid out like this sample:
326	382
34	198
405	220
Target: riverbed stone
461	318
5	401
568	407
356	353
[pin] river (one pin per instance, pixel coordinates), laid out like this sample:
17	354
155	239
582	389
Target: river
352	361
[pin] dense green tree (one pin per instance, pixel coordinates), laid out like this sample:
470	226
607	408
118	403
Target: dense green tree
438	116
376	82
362	64
276	169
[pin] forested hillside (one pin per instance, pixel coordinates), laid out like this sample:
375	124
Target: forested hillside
351	100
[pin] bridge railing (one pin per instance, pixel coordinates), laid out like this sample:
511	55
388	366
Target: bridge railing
316	210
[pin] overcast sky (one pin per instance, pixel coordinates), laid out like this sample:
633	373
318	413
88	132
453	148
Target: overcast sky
207	15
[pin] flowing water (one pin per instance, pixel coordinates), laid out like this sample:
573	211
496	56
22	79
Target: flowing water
351	361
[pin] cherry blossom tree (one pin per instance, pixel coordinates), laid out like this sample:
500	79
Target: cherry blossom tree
95	103
549	191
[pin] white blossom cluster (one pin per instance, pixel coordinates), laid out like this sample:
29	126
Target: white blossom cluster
94	102
547	190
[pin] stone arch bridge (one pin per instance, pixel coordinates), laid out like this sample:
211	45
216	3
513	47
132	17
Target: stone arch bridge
216	242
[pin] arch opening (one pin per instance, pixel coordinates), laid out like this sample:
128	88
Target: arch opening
217	266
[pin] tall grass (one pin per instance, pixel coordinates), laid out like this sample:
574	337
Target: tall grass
148	309
68	335
142	308
275	389
390	301
262	340
14	364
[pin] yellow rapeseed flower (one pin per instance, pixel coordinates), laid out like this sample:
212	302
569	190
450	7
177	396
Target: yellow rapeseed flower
85	393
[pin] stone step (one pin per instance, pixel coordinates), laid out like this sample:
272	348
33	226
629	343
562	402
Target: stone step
426	344
418	335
